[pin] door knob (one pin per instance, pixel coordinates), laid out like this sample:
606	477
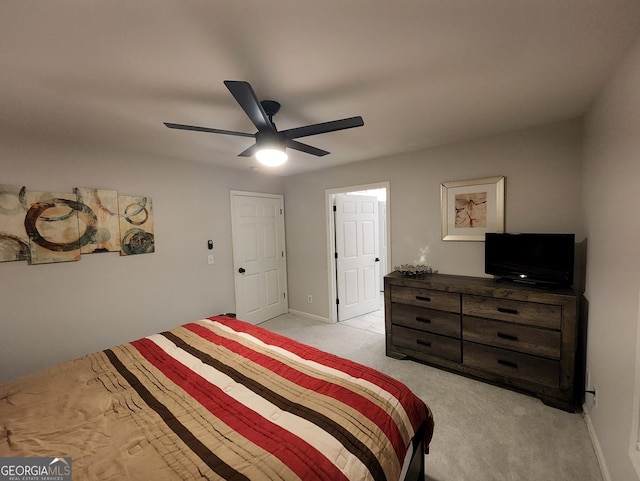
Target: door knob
377	259
241	270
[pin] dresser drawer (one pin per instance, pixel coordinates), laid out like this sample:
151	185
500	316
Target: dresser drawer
426	343
540	315
438	322
415	296
512	364
540	342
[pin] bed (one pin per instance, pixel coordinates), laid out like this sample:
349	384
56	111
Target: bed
217	399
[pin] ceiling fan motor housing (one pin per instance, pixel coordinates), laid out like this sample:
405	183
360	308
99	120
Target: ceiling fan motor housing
270	140
271	107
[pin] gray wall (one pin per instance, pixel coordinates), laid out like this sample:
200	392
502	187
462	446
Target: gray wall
611	190
53	312
542	170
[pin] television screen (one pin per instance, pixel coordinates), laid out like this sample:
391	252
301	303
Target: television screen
532	258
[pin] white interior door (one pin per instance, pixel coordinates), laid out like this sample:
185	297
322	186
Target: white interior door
259	256
357	250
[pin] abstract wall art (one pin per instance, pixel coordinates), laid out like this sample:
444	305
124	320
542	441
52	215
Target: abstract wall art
51	223
14	241
136	225
45	227
104	205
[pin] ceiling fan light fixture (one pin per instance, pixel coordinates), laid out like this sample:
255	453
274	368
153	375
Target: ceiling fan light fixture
269	148
271	156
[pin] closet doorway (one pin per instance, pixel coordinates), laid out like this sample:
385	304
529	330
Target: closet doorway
358	254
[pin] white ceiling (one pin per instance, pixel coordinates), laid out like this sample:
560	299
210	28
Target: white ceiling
106	74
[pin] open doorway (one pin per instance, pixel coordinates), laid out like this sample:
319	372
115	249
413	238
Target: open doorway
358	252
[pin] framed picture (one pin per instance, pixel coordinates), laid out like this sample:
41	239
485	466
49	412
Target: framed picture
470	208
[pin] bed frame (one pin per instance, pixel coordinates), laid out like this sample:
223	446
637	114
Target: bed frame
416	471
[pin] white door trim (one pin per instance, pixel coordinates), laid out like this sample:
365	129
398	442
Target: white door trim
331	260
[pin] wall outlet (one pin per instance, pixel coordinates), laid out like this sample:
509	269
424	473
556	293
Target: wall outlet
309	299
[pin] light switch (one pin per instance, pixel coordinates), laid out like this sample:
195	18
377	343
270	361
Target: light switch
210	259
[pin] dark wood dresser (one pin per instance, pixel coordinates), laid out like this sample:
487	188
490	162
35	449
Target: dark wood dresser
516	336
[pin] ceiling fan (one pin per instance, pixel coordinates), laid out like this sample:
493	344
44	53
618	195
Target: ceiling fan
270	143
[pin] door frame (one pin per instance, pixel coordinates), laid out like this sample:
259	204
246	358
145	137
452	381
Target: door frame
331	235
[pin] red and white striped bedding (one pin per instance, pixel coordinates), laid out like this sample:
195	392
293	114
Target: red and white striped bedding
215	399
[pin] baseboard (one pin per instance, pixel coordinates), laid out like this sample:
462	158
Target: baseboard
596	446
310	316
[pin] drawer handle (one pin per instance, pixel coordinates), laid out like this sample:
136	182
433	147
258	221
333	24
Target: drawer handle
507	336
423	342
507	310
423	298
508	363
423	319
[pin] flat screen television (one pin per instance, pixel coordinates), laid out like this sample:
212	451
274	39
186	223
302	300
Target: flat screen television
544	259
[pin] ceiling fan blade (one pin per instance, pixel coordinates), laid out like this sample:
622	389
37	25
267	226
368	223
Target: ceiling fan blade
206	129
246	97
295	145
248	152
323	127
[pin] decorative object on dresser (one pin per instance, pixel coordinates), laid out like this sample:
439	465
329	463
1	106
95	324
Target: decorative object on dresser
409	270
516	336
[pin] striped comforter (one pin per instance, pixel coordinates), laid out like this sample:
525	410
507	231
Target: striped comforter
214	399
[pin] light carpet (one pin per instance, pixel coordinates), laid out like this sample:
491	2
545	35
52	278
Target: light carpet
483	432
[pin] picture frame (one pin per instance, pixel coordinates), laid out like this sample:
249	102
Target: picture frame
471	208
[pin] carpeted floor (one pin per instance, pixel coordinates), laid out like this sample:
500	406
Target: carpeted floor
483	432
